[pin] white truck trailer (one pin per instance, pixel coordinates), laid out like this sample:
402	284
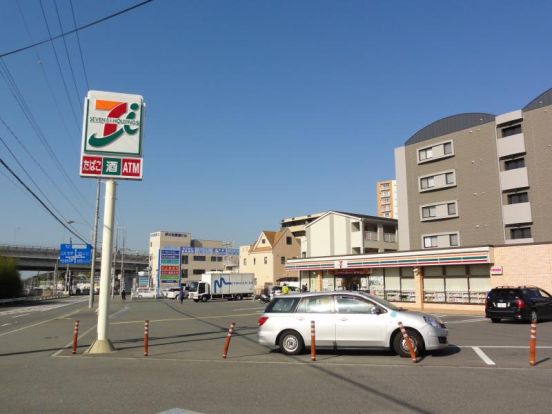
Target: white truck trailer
220	285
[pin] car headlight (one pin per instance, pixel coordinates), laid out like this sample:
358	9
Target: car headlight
436	323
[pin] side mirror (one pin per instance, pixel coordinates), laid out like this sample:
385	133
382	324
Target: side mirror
376	310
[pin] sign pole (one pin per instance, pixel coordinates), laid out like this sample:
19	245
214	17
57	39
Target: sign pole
102	344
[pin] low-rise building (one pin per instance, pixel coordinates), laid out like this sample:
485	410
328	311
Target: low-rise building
266	258
197	256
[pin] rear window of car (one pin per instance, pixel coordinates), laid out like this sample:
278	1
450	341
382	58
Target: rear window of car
282	305
505	294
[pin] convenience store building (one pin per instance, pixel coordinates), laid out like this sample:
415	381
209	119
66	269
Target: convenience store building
447	279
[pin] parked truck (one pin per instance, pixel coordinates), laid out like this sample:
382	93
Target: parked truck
220	285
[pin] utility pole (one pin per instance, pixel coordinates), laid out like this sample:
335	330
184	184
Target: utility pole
94	245
114	267
122	285
55	277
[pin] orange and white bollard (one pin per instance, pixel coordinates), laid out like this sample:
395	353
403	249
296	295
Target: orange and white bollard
313	342
146	338
533	343
408	343
75	336
227	341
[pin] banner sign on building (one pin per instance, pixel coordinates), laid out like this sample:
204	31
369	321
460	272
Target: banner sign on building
112	136
210	251
143	281
75	255
169	266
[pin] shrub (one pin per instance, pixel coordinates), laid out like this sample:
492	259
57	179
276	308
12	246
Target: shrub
10	280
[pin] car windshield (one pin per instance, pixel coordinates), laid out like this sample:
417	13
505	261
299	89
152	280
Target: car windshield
380	301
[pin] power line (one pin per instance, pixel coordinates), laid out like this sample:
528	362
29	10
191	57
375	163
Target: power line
16	93
31	178
68	57
79	43
47	80
86	26
43	171
78	236
59	64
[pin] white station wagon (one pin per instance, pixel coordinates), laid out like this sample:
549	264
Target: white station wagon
346	320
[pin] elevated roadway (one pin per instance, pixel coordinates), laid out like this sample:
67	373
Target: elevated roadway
45	258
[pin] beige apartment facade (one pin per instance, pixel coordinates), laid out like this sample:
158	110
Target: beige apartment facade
339	233
197	256
386	199
478	178
266	258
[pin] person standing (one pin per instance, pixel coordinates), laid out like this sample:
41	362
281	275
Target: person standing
181	294
285	289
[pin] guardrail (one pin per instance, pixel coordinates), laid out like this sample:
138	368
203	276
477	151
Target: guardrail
30	299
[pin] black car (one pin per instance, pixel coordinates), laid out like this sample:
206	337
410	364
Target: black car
521	303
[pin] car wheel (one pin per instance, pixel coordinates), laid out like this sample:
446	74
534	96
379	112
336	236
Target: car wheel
291	343
196	300
204	298
238	297
401	347
495	320
534	316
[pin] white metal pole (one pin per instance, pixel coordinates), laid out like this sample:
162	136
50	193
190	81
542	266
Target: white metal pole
103	344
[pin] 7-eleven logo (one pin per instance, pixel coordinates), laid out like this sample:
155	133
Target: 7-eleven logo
118	121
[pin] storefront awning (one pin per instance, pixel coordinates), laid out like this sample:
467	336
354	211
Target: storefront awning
472	255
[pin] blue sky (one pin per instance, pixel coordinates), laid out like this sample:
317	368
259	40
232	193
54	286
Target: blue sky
256	110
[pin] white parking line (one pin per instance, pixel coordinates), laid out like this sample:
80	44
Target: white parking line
41	323
504	346
6	324
19	316
71	342
483	356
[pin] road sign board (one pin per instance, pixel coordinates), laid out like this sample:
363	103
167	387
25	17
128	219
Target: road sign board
75	254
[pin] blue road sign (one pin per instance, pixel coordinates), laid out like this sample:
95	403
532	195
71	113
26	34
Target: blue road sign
75	254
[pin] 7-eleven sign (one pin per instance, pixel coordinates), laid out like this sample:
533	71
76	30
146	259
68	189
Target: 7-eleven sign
112	136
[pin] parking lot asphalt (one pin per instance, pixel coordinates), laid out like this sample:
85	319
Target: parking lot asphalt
485	367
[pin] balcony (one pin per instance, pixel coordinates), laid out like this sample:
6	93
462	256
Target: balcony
514	144
517	213
511	179
389	237
370	236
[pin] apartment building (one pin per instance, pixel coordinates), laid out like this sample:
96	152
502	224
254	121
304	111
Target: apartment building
386	199
477	178
266	258
339	233
197	256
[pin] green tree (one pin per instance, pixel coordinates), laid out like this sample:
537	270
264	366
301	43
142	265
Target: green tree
10	280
